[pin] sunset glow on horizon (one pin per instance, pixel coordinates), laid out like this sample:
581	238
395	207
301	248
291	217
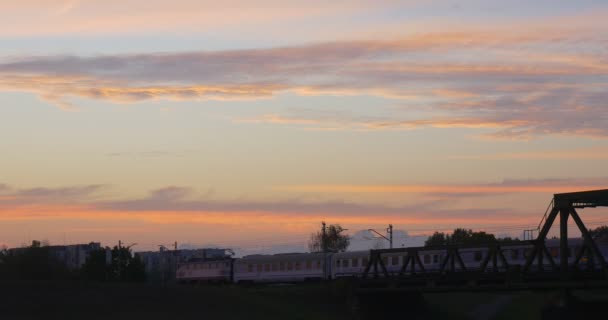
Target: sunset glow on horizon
245	124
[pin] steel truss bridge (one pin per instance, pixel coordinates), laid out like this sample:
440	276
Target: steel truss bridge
495	273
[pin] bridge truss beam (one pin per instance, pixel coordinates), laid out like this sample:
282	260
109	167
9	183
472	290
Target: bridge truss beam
563	205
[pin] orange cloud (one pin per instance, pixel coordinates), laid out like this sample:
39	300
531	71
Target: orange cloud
470	123
169	212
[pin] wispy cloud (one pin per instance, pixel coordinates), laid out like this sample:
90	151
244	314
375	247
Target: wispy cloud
566	154
511	83
13	197
83	212
504	187
61	17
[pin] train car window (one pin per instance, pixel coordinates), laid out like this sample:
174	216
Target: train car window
385	261
275	267
249	268
395	261
267	267
364	261
554	252
514	254
297	266
346	263
319	264
355	262
282	266
338	263
289	266
435	258
478	255
308	265
427	259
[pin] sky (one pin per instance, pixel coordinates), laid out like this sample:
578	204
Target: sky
245	124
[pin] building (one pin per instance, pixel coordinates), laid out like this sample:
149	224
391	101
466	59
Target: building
72	256
76	255
162	265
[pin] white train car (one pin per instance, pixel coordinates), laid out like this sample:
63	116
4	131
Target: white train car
349	264
299	267
295	267
205	271
353	263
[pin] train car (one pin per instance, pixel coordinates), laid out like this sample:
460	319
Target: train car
353	263
293	267
205	271
299	267
349	264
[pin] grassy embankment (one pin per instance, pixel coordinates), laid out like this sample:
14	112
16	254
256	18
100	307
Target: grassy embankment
311	301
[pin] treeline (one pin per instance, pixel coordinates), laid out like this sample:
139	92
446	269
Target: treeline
461	236
38	263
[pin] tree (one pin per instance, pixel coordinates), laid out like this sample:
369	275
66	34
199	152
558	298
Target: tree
332	241
600	232
95	268
124	266
35	262
437	239
461	236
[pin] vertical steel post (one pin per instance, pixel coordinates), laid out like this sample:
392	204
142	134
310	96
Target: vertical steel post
564	213
390	232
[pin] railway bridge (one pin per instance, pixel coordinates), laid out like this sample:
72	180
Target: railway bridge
540	271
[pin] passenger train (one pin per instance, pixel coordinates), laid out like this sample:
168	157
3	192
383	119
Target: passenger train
299	267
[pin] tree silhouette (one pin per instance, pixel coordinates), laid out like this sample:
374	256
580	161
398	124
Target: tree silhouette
461	236
332	241
123	266
600	233
95	268
32	263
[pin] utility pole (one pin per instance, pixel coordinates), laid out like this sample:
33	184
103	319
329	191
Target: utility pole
323	237
324	248
389	231
176	258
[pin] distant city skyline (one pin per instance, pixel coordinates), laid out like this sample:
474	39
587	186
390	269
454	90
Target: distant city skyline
245	124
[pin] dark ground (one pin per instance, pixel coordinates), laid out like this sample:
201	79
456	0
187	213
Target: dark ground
78	300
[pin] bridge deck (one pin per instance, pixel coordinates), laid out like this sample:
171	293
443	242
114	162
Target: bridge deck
499	281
